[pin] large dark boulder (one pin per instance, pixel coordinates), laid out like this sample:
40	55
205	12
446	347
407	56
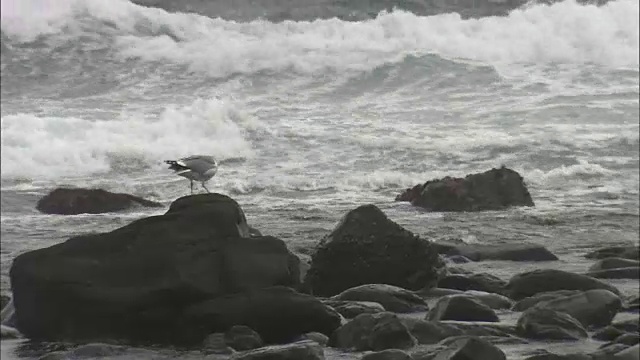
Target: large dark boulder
532	282
278	314
468	347
366	247
134	282
495	189
72	201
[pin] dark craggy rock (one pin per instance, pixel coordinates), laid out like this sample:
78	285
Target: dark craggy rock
373	332
134	282
278	314
71	201
392	298
368	248
626	252
546	324
532	282
495	189
461	308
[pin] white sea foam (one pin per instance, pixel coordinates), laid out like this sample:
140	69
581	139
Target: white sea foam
563	33
40	147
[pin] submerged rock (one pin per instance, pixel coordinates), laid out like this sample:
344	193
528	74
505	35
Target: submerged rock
134	282
495	189
506	252
626	252
392	298
618	273
613	263
71	201
302	350
533	282
366	247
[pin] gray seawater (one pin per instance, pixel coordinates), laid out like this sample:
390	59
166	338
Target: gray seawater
313	117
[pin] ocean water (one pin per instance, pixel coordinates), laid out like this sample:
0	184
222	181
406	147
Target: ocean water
312	116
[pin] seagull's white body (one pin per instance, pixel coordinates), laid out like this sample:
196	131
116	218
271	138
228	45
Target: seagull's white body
195	167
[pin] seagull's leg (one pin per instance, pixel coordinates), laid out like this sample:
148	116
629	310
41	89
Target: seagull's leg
191	186
205	188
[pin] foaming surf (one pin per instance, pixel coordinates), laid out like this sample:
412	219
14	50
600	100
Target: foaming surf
67	147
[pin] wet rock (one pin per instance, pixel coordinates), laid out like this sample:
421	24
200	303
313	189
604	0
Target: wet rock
613	263
278	314
461	308
631	304
68	201
392	298
241	338
628	325
321	339
547	324
56	355
608	333
373	332
531	301
551	356
216	344
627	339
366	247
495	189
481	282
591	308
506	252
8	315
626	252
92	287
4	300
609	352
351	309
466	347
432	332
302	350
631	353
438	292
619	273
458	259
533	282
494	301
389	354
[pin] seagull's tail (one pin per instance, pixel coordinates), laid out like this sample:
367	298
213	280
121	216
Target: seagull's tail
173	165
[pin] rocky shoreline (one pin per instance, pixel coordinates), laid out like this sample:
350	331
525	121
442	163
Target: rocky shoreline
199	278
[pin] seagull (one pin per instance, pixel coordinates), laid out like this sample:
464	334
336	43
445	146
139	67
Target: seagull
195	167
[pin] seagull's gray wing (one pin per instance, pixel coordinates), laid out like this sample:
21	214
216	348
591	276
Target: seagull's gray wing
199	163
